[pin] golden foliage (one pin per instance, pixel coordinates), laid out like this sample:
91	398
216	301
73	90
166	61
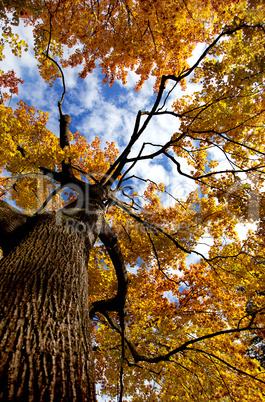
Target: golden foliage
186	311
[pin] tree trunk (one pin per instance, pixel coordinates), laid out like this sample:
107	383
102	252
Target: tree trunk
46	351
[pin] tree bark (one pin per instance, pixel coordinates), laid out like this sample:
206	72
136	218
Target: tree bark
45	342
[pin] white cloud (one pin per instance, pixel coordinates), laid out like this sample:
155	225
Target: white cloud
243	229
202	247
109	113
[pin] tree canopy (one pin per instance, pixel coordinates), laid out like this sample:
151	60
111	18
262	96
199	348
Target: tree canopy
193	322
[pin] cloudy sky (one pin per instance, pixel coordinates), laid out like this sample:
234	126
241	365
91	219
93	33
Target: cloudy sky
109	113
98	110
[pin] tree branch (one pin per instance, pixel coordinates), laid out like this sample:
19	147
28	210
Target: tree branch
14	225
185	346
151	226
117	303
227	364
121	161
116	168
157	259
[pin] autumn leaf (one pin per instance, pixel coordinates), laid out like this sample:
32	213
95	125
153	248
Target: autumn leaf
174	293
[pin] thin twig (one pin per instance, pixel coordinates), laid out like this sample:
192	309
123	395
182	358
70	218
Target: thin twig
157	258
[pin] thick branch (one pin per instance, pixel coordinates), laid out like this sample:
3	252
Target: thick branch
65	121
117	303
65	180
121	161
185	346
13	227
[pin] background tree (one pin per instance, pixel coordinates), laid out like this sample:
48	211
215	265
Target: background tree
71	313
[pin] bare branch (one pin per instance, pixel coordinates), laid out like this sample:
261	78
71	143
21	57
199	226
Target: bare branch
117	303
120	162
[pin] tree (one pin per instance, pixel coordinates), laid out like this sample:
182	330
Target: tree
71	313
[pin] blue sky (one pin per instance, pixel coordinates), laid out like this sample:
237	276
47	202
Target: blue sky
98	110
108	113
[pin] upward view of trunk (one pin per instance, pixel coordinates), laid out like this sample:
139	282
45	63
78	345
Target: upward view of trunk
46	352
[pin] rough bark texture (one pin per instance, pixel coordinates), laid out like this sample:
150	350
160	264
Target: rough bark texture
45	342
